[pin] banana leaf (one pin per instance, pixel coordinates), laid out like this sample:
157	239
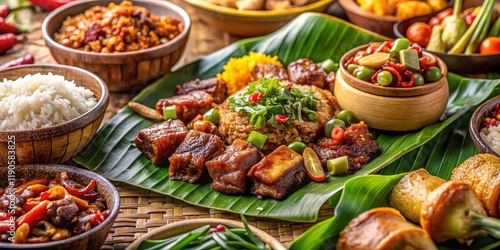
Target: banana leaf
315	36
439	156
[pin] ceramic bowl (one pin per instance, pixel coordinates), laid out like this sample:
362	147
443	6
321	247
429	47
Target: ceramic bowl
459	63
92	239
58	143
180	227
475	125
121	71
249	23
391	108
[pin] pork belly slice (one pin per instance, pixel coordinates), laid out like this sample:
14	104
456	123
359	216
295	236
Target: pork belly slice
159	141
188	161
229	170
306	72
277	173
214	86
269	70
188	105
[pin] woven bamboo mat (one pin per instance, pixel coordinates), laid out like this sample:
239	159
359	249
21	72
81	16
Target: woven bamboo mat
143	210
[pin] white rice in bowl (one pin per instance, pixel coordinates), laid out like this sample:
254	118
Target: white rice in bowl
39	101
491	136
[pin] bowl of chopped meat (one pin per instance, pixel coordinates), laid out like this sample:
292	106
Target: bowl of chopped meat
250	18
126	44
55	207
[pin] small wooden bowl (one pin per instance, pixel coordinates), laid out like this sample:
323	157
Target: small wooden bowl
475	125
58	143
125	70
92	239
391	108
189	225
250	23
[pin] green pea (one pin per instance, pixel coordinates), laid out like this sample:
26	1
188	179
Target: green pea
331	124
347	116
297	146
419	79
352	67
433	74
365	73
329	65
384	78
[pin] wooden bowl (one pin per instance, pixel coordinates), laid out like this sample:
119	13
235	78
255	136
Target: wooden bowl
249	23
459	63
92	239
180	227
391	108
378	24
58	143
475	125
124	70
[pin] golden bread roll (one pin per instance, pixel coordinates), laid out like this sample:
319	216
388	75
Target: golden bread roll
482	173
383	228
411	191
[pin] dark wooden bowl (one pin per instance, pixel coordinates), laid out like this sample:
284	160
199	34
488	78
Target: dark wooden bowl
58	143
475	125
378	24
125	70
459	63
391	108
92	239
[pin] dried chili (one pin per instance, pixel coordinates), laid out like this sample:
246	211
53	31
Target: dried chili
409	79
82	191
7	41
5	10
27	59
384	47
9	27
49	4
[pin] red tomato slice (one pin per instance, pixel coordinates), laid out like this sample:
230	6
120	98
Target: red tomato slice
313	165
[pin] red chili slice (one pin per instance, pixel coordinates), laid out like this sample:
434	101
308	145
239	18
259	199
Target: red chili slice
338	133
409	79
255	97
281	118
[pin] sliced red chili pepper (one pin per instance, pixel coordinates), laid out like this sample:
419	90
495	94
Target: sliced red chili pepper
349	61
255	97
39	212
31	203
83	190
338	133
281	118
416	47
98	218
409	79
397	66
384	47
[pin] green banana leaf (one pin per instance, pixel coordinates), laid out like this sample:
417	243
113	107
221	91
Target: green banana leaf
439	156
315	36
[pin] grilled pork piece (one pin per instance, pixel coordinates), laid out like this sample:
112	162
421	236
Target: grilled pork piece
199	124
188	161
188	105
214	86
229	170
159	141
269	70
357	144
383	228
277	173
306	72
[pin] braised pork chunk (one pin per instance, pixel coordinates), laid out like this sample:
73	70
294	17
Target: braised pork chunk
214	86
187	106
269	70
229	170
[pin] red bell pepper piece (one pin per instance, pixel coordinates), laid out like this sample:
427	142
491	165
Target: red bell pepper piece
82	191
39	212
31	203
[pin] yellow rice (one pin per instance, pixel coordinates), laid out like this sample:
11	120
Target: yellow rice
237	71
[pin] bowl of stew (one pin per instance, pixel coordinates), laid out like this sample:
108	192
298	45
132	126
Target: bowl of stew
55	207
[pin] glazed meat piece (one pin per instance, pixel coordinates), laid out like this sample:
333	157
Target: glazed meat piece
199	124
383	228
214	86
269	70
277	173
357	144
159	141
188	105
188	161
306	72
229	170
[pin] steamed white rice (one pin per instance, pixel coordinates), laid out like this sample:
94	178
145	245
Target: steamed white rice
39	101
491	136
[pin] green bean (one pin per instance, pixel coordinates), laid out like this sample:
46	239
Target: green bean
252	237
217	237
148	244
210	244
181	241
235	236
245	245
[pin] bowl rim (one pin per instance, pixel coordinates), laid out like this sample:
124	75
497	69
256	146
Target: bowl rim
206	221
475	124
152	50
257	13
352	6
102	103
114	210
392	91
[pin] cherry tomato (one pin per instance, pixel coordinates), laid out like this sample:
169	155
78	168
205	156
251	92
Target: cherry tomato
419	33
490	45
281	118
255	97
